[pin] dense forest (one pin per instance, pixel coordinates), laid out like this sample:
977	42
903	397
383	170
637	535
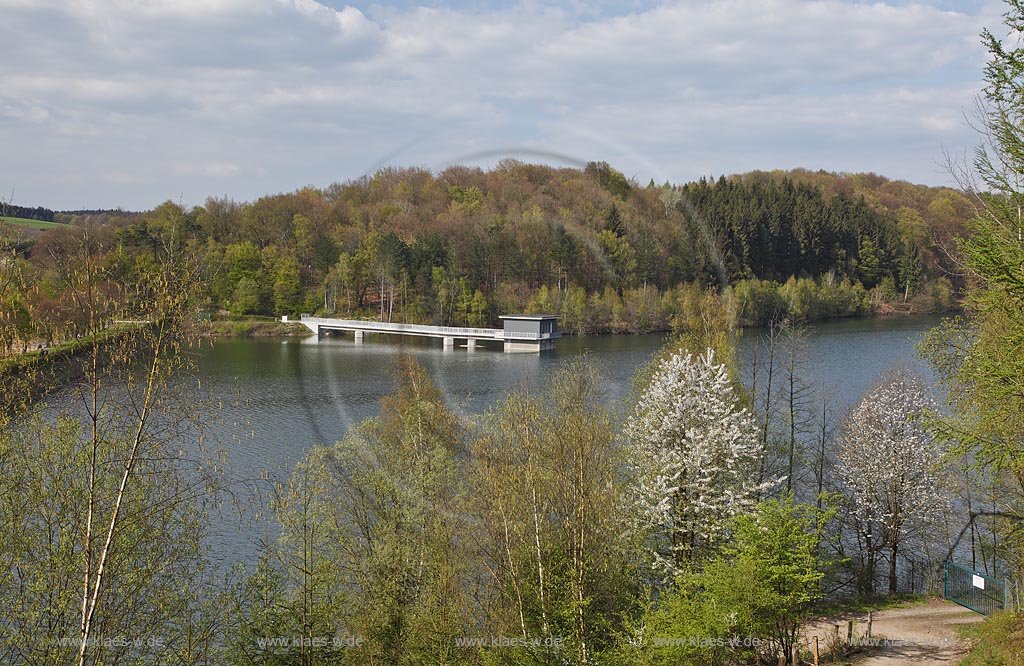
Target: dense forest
465	245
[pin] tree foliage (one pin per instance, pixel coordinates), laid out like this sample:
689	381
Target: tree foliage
696	456
370	247
892	465
980	359
749	603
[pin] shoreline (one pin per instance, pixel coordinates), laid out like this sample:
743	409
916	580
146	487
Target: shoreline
275	328
31	375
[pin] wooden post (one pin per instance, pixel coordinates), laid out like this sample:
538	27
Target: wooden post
849	633
815	648
871	617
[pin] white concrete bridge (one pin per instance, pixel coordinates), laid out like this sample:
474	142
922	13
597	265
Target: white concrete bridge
530	333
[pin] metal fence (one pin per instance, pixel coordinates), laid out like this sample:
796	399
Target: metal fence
974	590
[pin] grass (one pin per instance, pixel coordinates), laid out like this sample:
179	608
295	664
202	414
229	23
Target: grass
38	225
997	640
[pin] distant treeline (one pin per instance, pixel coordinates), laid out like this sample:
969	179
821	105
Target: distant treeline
465	245
64	216
115	212
37	213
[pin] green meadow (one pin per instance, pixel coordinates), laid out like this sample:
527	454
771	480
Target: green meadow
31	224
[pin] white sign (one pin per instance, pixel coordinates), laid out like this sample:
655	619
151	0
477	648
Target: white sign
979	582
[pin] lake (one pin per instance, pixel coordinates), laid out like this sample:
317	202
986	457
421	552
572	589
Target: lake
270	400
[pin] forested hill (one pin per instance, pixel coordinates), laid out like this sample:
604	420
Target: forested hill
464	245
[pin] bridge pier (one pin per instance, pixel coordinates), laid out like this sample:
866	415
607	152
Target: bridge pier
471	344
359	337
449	343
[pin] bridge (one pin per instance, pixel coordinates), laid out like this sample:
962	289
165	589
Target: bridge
529	333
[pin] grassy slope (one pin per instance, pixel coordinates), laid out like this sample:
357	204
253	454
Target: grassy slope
32	224
997	640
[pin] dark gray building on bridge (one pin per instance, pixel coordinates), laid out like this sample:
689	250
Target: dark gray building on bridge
525	332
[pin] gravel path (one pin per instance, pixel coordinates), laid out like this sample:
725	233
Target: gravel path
922	634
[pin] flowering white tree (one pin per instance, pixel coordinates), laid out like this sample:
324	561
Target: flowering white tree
892	465
696	457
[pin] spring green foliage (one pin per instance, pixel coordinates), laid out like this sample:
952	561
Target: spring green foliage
155	574
413	533
981	361
371	542
420	527
804	299
103	517
549	497
760	589
420	530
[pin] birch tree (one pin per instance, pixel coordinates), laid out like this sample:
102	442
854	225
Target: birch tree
552	537
371	543
891	465
108	566
696	457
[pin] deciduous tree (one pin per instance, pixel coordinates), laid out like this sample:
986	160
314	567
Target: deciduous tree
891	464
696	456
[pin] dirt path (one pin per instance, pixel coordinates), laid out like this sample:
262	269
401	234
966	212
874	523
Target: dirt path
922	634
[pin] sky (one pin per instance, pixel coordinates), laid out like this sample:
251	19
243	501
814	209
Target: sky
121	103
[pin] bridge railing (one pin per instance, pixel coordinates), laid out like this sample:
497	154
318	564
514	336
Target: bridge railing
392	327
423	329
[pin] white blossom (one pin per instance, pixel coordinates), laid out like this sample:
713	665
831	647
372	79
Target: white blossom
696	458
891	463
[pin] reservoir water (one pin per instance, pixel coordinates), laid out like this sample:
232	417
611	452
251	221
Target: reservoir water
268	401
286	395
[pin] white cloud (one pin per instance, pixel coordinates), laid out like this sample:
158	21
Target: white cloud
302	93
220	169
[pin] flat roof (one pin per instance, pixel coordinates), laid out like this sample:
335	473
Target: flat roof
526	316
